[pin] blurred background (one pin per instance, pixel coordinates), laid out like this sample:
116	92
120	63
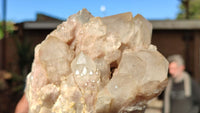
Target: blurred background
25	23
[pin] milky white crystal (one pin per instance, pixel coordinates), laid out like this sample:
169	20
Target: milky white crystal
96	65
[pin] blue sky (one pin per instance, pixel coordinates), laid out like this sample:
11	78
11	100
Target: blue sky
26	10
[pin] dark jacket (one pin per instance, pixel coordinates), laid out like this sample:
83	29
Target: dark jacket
182	97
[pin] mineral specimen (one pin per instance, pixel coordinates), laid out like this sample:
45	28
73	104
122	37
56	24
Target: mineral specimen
96	65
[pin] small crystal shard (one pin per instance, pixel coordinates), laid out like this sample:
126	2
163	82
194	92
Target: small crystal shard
96	65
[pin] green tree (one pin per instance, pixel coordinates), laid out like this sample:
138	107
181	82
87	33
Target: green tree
9	28
193	9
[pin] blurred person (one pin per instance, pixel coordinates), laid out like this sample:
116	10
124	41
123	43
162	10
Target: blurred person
22	106
182	94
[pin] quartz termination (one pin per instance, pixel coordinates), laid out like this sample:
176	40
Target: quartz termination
96	65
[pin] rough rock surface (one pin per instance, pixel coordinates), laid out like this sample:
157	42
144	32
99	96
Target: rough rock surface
96	65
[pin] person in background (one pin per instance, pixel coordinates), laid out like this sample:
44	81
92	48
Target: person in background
182	94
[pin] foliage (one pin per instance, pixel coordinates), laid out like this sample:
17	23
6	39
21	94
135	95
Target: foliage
25	54
9	28
18	83
194	10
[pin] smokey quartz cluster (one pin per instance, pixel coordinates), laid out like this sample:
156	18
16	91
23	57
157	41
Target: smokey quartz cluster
96	65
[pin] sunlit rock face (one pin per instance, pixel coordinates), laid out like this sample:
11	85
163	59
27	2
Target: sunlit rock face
96	65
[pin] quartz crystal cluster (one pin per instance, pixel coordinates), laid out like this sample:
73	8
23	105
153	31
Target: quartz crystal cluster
96	65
